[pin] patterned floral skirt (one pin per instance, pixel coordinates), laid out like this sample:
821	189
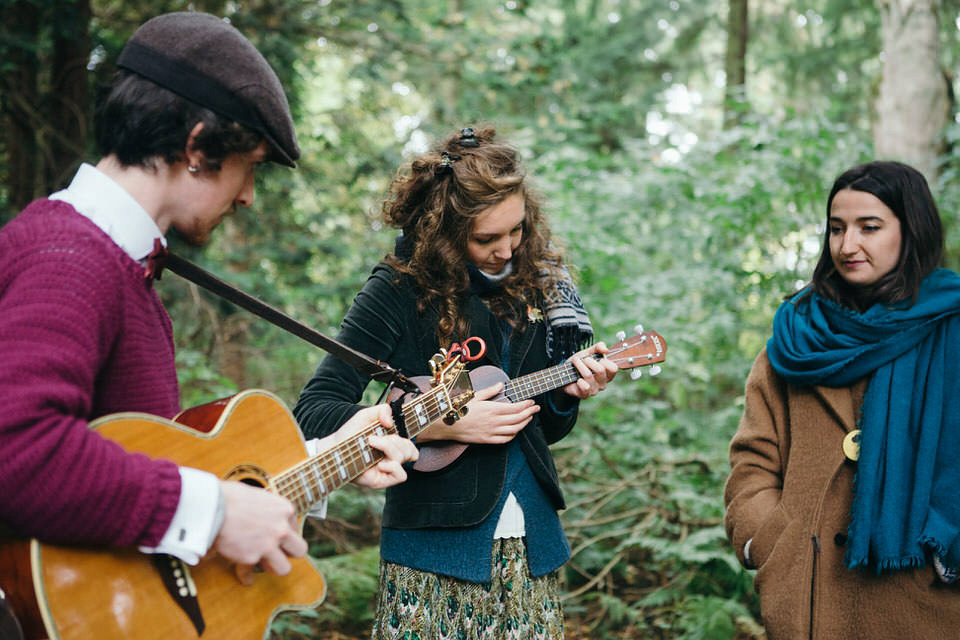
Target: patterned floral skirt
417	605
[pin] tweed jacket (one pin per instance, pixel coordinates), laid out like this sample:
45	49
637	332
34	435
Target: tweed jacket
790	492
384	323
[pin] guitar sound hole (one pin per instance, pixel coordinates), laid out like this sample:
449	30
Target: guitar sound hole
249	474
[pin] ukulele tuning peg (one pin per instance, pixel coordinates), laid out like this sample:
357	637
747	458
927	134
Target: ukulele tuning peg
638	328
636	374
655	370
621	335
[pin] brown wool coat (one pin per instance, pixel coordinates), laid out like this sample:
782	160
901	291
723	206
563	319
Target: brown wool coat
790	492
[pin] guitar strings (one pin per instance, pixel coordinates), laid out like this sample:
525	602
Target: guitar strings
314	478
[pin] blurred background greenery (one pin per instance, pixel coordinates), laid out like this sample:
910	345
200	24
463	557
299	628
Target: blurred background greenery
684	148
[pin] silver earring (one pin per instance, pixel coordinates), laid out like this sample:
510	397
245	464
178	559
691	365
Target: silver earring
192	168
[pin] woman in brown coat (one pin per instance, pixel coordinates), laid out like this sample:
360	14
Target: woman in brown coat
845	485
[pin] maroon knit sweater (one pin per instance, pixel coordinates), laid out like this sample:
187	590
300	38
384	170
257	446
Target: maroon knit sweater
82	334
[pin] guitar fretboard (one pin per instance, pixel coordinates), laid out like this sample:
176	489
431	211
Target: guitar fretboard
316	477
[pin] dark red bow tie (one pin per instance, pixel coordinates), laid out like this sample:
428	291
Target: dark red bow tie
153	268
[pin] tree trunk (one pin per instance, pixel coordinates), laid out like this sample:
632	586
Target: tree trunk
44	95
20	25
913	106
735	66
69	104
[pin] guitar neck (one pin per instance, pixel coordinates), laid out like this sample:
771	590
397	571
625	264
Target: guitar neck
316	477
534	384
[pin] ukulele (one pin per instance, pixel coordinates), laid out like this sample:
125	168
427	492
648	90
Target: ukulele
646	348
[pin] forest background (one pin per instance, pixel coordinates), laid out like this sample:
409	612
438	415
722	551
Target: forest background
684	149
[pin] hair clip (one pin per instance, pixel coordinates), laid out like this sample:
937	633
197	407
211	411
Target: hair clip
446	162
467	139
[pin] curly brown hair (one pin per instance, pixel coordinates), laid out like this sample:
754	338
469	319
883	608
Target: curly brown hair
435	199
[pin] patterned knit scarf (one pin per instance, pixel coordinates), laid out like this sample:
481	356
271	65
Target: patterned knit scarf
567	323
568	326
907	479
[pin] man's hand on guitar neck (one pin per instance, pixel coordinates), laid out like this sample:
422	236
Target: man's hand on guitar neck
396	451
259	528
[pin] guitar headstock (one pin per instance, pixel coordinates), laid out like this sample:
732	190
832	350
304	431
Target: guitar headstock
450	375
646	348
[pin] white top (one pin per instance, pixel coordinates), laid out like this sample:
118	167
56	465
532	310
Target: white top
510	524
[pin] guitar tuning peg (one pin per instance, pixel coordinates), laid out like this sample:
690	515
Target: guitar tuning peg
621	335
655	370
638	328
636	374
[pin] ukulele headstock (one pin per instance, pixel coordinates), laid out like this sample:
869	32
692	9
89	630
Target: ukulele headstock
644	348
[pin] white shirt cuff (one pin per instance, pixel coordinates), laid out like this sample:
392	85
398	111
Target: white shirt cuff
198	518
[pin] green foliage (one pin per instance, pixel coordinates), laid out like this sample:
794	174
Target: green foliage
692	231
351	588
701	251
199	382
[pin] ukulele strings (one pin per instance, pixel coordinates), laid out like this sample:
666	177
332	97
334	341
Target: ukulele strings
314	478
542	381
536	383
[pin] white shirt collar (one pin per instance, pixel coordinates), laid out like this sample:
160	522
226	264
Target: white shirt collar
498	277
96	196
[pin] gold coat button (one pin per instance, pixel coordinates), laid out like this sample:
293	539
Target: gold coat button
851	445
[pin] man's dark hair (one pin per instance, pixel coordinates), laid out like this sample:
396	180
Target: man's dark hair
139	121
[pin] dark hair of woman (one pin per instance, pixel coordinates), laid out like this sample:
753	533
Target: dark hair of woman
139	121
435	199
904	190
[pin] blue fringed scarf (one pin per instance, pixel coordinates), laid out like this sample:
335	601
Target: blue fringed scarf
907	490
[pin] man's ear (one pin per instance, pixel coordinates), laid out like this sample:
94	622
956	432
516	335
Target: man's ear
194	157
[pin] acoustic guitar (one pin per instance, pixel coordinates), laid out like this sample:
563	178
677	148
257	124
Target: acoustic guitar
78	593
646	348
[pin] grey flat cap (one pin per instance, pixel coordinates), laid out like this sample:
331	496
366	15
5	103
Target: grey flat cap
207	61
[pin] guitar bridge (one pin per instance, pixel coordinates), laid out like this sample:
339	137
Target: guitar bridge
175	574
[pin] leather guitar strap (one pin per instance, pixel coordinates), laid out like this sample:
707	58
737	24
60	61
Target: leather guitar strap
376	369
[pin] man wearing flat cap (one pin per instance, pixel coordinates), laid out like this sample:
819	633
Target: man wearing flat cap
193	110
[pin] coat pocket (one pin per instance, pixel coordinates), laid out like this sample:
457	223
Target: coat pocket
767	535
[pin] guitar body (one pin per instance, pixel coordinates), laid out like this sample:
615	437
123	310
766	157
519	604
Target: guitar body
118	593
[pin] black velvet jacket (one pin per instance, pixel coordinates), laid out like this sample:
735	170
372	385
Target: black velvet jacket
383	323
